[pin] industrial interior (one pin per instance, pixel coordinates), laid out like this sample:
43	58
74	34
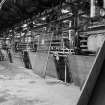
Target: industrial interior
52	52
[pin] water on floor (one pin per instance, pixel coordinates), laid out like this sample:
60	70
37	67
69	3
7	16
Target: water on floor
20	86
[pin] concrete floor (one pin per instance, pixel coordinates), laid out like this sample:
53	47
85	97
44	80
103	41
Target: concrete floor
20	86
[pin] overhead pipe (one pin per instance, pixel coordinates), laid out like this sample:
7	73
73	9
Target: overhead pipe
2	2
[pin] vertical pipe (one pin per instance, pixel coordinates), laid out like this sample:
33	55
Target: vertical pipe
65	73
92	9
103	3
62	41
70	31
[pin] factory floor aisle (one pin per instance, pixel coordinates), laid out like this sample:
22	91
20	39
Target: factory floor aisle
20	86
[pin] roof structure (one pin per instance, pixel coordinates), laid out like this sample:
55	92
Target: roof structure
14	11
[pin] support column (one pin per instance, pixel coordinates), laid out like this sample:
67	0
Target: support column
92	8
103	3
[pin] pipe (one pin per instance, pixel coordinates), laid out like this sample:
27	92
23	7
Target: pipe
65	73
92	9
103	3
2	2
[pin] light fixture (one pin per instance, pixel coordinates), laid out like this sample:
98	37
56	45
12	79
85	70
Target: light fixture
65	11
38	24
43	18
22	34
66	21
24	25
33	22
10	30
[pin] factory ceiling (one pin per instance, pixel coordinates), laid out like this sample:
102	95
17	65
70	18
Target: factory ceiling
14	11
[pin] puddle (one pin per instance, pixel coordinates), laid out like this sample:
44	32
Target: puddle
2	99
32	82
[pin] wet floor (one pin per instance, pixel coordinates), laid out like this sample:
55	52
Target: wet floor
20	86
